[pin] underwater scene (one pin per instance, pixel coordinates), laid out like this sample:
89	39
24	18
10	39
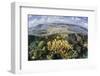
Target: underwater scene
53	37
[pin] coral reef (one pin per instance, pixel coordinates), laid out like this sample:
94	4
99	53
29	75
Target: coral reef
58	46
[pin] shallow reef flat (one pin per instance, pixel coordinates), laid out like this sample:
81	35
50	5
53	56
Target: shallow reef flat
58	46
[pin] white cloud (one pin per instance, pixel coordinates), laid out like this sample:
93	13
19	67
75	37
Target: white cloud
57	19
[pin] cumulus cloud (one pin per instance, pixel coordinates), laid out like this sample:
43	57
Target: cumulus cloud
34	20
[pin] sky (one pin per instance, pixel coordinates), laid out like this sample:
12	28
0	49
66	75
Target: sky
34	20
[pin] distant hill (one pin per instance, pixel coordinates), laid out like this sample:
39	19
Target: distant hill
52	28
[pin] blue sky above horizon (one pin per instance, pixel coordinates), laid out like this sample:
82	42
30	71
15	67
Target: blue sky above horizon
34	20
